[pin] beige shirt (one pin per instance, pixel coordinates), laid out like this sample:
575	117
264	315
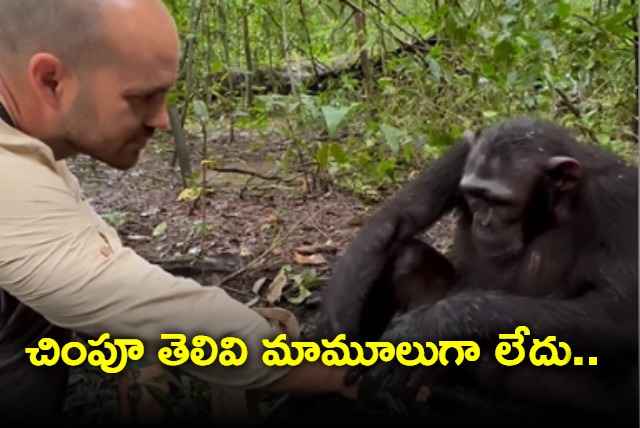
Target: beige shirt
60	258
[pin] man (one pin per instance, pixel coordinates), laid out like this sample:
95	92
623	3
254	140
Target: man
90	76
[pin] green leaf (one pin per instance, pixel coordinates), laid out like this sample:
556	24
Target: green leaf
625	14
134	394
303	294
506	20
166	376
160	229
434	67
563	10
337	153
385	167
322	156
217	66
528	41
333	117
503	51
309	279
160	396
392	136
202	113
547	45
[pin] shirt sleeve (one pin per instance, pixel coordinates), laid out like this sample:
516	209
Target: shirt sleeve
58	259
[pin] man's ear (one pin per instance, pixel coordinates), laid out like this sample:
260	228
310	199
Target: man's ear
565	172
46	73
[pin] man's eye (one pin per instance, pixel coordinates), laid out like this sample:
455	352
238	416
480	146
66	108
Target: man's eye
143	98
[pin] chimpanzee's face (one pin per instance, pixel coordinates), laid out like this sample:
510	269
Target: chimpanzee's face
500	183
497	198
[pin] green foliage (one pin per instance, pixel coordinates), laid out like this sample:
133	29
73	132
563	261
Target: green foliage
571	61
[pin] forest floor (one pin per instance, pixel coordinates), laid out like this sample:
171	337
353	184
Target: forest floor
254	229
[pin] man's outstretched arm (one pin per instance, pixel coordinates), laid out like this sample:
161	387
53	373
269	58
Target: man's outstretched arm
58	257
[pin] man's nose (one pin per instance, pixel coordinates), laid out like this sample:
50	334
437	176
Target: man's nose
160	119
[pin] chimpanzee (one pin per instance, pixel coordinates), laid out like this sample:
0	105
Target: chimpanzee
547	238
416	276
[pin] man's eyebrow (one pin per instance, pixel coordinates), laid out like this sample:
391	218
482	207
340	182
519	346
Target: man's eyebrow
148	90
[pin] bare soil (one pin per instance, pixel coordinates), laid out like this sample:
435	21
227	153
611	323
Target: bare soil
255	224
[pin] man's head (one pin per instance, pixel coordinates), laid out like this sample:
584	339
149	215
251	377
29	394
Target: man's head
88	76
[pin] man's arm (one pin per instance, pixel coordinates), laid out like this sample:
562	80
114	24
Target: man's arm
56	258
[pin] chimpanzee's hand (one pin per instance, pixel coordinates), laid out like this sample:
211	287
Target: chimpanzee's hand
392	384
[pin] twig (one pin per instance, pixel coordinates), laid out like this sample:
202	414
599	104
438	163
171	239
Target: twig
377	22
246	172
313	249
268	250
567	102
237	290
326	236
156	178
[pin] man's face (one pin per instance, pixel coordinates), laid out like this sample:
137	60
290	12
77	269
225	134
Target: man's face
117	109
119	103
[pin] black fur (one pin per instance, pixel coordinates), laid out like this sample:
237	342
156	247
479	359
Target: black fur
582	288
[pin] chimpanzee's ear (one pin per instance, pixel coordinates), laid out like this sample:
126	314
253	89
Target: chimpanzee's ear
565	172
470	137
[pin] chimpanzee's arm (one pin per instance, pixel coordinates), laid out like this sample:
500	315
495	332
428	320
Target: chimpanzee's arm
601	319
588	323
603	322
413	209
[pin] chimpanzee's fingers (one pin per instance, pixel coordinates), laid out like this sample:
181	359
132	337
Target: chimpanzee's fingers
397	407
372	383
398	379
419	377
386	399
354	374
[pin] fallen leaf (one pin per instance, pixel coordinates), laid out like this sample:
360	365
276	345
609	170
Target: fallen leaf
356	221
271	218
258	285
265	226
318	248
313	259
188	194
253	301
274	290
137	238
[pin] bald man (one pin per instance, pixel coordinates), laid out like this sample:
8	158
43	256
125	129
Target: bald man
90	77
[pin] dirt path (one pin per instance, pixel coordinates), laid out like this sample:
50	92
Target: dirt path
244	220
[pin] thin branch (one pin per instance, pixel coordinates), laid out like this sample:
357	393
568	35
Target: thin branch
273	246
246	172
